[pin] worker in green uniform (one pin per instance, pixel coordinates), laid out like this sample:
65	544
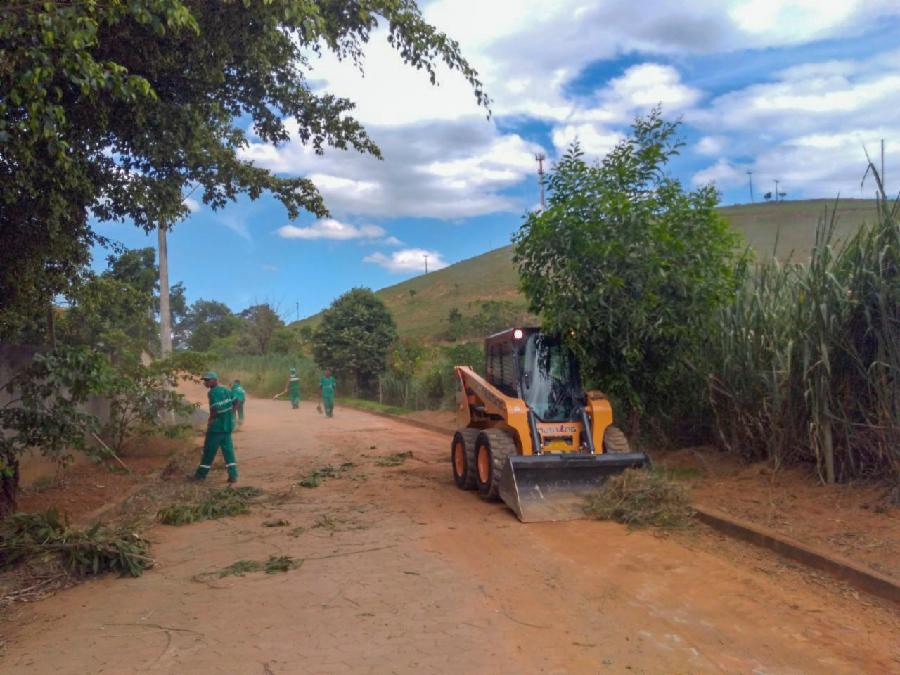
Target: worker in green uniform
218	429
293	388
239	396
326	385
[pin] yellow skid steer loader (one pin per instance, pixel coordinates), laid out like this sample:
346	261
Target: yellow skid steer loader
528	432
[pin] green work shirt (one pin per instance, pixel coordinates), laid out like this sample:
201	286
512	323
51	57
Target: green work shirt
327	384
238	393
221	402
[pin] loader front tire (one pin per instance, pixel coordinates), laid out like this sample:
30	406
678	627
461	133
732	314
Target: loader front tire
491	450
462	459
614	440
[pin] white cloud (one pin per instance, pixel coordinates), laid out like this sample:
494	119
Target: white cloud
192	204
329	228
235	223
808	126
439	169
408	260
722	173
594	139
391	241
710	146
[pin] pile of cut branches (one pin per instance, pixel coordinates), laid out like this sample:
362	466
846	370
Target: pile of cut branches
219	503
95	550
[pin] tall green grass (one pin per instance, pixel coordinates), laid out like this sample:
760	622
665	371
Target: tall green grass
266	375
806	361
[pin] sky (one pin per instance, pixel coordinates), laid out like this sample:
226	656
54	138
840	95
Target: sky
792	90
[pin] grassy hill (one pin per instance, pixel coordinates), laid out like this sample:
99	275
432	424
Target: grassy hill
421	305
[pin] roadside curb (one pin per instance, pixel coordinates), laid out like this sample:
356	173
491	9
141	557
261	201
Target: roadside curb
864	579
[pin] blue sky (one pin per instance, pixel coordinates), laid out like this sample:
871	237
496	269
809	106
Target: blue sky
789	89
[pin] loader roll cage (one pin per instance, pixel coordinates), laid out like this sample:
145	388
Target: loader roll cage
537	368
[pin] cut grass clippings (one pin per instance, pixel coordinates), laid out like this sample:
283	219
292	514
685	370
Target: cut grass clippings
394	460
641	498
315	478
49	537
216	504
276	564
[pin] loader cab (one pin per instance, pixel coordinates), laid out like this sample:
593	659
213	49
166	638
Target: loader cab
539	369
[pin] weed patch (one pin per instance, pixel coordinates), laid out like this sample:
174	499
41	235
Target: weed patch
220	503
95	550
641	498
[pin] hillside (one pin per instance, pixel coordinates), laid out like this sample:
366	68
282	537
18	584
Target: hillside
421	305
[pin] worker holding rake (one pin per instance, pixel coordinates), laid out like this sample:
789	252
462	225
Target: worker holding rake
218	430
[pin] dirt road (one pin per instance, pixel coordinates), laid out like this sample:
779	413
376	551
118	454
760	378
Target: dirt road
403	573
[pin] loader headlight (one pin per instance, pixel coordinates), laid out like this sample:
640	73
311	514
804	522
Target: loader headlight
517	333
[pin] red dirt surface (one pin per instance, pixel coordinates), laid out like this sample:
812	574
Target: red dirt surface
403	573
855	521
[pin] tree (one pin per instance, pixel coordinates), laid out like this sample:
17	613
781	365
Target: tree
115	109
405	358
202	323
630	268
261	323
354	337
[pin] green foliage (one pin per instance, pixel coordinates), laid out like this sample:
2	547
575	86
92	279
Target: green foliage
805	364
95	550
260	324
141	397
630	268
354	337
202	323
491	317
221	503
641	498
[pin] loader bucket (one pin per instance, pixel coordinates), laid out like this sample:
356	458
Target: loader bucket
553	487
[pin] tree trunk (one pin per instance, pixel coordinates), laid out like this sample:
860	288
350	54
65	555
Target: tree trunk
9	489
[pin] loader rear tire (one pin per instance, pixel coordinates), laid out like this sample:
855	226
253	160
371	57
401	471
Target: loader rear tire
491	450
462	458
614	440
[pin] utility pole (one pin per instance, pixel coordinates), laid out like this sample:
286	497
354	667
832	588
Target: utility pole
776	190
750	174
540	157
883	183
426	262
165	313
298	310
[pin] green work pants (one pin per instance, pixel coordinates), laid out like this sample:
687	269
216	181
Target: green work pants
214	441
240	412
294	393
328	402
